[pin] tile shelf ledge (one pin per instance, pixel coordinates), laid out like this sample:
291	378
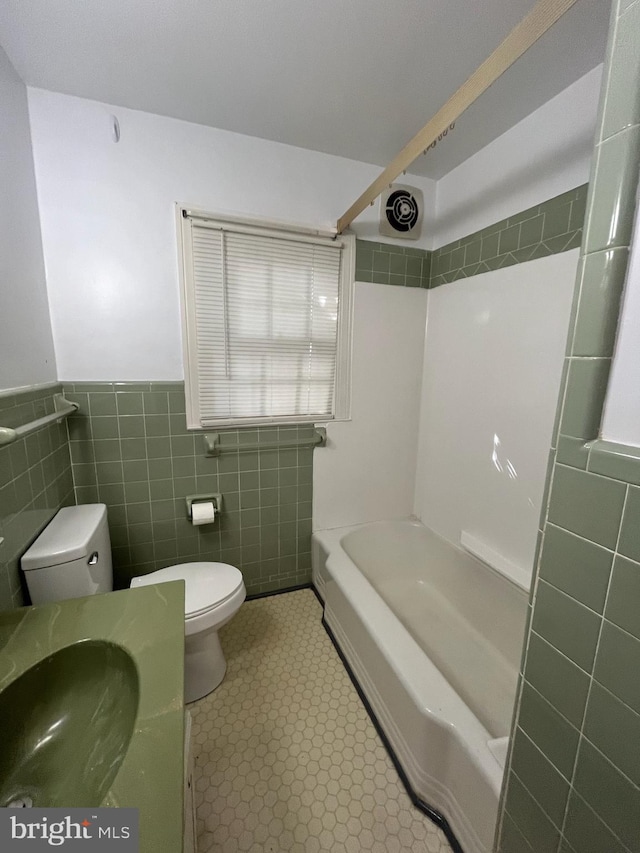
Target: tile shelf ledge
619	461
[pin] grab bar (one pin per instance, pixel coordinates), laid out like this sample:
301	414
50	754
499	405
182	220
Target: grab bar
63	409
213	447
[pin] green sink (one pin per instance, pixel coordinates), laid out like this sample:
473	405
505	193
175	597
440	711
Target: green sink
66	724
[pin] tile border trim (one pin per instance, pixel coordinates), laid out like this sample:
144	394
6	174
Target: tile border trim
387	263
30	389
553	226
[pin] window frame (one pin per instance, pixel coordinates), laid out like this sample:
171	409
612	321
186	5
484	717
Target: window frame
341	405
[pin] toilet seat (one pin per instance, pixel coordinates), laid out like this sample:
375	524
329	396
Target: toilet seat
206	584
216	616
211	590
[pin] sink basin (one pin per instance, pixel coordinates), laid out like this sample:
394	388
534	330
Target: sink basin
66	724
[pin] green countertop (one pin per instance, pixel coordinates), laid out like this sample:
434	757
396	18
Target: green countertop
148	622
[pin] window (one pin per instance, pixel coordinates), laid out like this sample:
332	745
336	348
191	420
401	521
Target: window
266	321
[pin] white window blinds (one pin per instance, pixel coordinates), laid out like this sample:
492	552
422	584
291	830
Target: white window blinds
264	318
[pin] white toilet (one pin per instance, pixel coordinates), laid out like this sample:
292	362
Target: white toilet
72	558
213	595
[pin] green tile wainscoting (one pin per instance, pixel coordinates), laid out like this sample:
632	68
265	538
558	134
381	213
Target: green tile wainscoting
130	449
573	778
35	481
545	229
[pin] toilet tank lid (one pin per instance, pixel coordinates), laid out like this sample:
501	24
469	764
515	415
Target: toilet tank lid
67	537
206	584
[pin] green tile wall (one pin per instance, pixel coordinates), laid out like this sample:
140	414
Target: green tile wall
573	779
383	263
35	481
546	229
131	450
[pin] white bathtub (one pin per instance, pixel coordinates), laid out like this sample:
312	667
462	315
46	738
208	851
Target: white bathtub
434	638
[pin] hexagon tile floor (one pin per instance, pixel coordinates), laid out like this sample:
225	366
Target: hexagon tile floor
287	758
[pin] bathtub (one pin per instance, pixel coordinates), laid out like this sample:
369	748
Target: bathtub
433	637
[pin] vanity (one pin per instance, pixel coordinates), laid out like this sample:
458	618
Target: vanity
92	711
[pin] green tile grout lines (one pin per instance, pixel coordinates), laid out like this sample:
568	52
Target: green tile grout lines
131	450
35	481
383	263
580	699
545	229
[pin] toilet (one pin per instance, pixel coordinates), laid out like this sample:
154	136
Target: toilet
72	558
213	595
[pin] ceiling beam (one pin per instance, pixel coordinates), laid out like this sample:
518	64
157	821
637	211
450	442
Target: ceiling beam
541	18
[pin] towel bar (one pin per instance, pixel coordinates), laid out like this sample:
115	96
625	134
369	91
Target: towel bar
63	409
214	448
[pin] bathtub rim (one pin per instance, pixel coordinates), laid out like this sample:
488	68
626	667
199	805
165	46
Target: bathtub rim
414	521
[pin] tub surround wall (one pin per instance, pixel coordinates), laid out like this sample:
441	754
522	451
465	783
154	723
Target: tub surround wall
488	403
367	470
472	321
131	450
25	328
574	777
35	481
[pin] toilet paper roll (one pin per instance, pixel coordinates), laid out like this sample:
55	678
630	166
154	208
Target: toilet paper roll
203	513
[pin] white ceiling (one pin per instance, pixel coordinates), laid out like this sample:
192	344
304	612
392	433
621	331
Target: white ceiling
356	78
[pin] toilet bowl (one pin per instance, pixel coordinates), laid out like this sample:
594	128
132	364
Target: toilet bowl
72	558
213	595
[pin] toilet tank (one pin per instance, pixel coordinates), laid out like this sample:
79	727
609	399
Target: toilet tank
71	557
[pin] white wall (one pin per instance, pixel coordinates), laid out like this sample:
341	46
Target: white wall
545	154
108	221
26	345
367	471
493	358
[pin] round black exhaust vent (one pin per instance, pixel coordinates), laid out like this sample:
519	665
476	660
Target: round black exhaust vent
402	210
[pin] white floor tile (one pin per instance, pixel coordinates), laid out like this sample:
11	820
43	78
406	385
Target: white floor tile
287	758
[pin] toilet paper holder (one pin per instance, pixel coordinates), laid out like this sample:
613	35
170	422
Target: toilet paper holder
216	500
